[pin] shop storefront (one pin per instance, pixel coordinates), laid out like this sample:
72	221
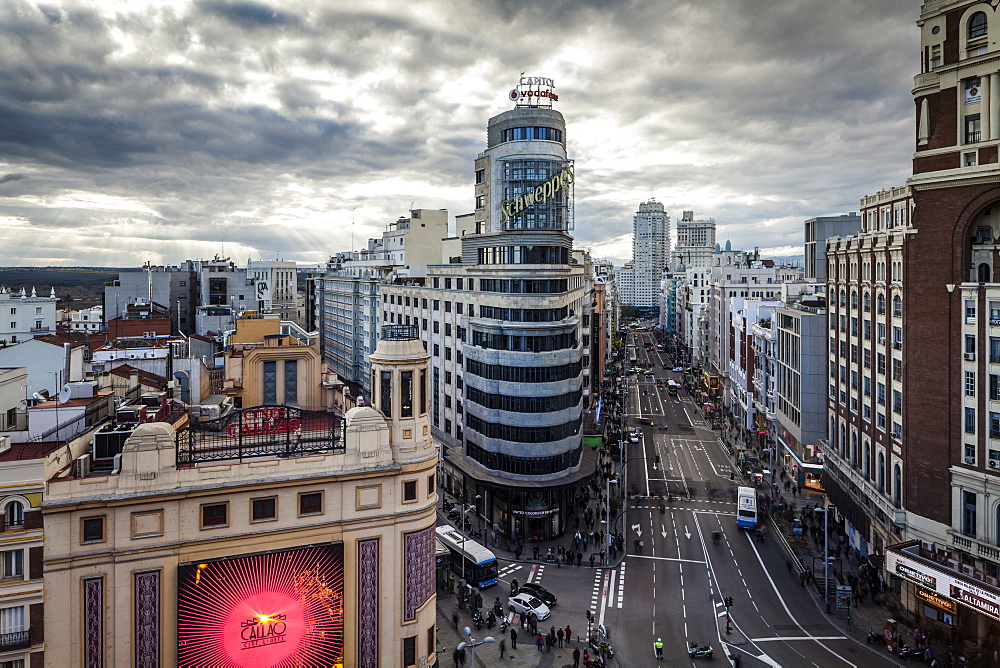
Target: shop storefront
951	605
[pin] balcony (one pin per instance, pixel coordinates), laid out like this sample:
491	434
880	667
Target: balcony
15	640
975	546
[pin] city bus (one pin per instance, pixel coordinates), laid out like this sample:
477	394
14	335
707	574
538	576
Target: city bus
746	508
673	387
469	559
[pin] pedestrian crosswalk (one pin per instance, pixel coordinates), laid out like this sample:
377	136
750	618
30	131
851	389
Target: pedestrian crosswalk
609	588
509	569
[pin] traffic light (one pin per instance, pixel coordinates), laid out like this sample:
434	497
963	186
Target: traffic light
663	509
590	616
729	601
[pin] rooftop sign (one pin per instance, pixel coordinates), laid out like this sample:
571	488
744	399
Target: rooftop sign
534	92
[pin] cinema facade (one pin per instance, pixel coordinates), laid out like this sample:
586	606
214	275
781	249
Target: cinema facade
272	536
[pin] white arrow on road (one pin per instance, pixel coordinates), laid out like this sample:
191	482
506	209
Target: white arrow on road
687	534
663	531
637	530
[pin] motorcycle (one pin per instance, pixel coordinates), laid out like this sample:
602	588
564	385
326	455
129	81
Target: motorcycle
696	652
592	661
454	513
491	619
497	608
873	637
477	619
448	506
504	623
908	653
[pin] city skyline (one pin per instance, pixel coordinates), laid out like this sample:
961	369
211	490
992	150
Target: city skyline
160	133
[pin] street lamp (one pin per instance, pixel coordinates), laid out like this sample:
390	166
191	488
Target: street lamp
465	510
472	644
479	498
826	555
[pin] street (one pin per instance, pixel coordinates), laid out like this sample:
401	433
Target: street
681	489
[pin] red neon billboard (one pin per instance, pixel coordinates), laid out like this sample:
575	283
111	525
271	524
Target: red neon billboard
277	610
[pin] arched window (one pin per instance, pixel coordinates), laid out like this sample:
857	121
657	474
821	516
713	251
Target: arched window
977	25
843	297
854	299
14	515
880	472
880	304
854	449
897	486
897	306
843	441
983	273
866	302
866	460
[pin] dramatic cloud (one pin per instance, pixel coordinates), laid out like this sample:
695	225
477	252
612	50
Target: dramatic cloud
134	131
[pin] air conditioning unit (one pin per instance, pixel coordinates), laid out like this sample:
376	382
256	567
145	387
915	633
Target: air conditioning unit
970	460
994	464
881	340
968	570
83	466
896	434
990	580
927	545
970	357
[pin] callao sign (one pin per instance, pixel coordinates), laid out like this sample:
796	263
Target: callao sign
259	421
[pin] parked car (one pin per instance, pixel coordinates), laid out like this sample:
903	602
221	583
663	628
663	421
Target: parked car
634	436
539	592
525	603
678	369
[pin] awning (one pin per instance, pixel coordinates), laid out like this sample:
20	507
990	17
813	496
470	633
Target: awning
814	467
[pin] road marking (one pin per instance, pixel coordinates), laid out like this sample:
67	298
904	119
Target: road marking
604	597
611	588
644	556
787	611
621	584
597	590
784	638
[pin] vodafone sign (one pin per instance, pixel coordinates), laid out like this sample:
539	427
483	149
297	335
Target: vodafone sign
534	92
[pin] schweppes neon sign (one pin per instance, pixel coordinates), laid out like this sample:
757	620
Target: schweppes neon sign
539	195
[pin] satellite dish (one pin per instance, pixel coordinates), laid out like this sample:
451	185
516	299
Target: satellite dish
65	394
24	404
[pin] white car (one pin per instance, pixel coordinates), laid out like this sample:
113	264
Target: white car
634	436
525	603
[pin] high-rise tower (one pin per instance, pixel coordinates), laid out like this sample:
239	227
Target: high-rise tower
650	253
507	323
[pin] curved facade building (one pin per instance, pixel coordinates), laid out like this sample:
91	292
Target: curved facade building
508	326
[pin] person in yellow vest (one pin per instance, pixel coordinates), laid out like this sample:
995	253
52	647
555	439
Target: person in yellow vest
658	645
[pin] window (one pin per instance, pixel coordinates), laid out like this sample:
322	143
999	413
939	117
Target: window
410	490
264	509
214	515
14	515
970	383
969	513
13	563
977	25
430	484
994	349
972	129
410	651
880	393
310	503
970	420
994	425
897	402
270	382
93	529
291	382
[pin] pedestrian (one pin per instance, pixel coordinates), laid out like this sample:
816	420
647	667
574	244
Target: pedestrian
513	638
576	658
539	643
503	647
454	619
559	636
591	559
534	552
548	643
579	558
569	634
802	578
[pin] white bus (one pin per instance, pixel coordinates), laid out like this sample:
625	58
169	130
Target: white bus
469	559
746	508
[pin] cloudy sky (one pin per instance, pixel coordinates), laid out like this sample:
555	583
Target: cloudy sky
165	130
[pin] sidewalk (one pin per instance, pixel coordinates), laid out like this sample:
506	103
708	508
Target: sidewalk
488	654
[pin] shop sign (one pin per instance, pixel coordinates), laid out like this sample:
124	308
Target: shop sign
913	574
535	513
539	195
977	603
935	599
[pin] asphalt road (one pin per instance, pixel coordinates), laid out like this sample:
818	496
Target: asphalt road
676	587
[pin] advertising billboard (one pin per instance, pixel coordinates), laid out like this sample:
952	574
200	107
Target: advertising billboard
281	609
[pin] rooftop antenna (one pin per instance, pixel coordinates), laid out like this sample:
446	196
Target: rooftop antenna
352	228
